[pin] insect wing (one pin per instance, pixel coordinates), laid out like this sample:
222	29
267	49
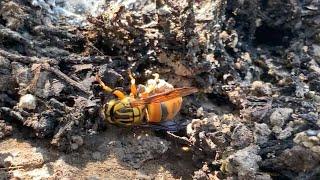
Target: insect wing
170	126
165	96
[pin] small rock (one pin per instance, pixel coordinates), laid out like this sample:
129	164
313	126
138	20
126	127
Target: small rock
277	129
77	141
314	86
57	87
10	84
244	163
4	63
307	144
200	112
111	76
307	141
316	50
5	68
81	67
280	116
28	101
74	146
200	175
263	176
260	88
23	74
241	137
300	137
227	39
285	133
5	130
316	149
299	158
314	139
261	133
8	161
312	132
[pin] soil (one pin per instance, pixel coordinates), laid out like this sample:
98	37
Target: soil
255	64
98	158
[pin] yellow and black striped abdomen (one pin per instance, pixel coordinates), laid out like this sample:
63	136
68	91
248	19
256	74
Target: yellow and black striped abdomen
164	111
120	112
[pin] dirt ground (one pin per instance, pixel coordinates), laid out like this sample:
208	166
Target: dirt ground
97	159
255	63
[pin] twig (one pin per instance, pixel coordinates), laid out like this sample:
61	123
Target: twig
53	31
87	60
180	140
11	168
67	79
13	35
95	48
26	59
13	114
69	59
61	132
48	61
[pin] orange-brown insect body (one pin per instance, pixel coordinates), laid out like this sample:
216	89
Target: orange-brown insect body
143	107
166	110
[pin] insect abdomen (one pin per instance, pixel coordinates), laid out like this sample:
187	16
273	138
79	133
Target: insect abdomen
164	111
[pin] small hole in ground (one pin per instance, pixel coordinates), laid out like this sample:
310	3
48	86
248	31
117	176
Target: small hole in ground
272	36
68	101
2	21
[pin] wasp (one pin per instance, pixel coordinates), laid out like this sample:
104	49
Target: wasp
150	104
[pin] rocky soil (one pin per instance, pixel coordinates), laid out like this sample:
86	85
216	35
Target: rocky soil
255	63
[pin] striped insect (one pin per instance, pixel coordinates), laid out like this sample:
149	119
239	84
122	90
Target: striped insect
145	105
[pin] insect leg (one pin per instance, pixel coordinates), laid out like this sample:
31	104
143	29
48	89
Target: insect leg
133	86
152	83
107	89
156	76
147	115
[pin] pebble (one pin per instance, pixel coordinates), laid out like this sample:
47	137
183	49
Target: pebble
261	88
312	132
261	133
280	116
28	101
284	134
200	112
77	141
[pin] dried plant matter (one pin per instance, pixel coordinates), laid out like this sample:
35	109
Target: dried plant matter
256	64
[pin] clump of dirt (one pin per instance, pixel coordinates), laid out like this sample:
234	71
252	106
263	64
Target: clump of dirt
5	129
255	64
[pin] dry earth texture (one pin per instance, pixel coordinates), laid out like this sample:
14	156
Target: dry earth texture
255	63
